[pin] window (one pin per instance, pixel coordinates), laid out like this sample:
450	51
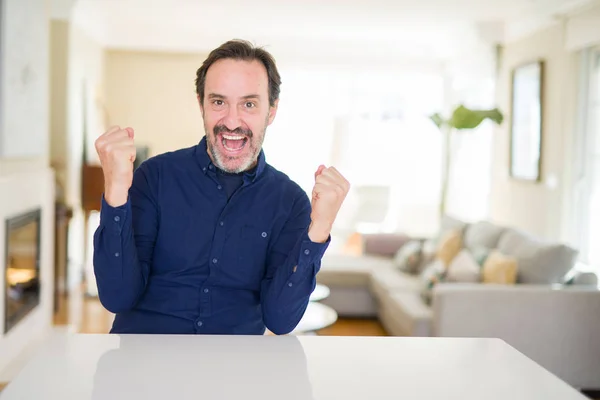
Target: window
400	157
374	126
587	181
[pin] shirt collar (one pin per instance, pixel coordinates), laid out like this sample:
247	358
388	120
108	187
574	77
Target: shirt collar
207	165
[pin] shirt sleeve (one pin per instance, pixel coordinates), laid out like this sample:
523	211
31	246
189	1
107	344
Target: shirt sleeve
291	274
124	243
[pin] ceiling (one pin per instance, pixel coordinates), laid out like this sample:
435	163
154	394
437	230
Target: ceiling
373	31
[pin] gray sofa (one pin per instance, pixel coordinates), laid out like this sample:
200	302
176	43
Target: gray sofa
555	323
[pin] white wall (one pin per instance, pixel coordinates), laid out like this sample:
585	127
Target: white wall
23	131
22	192
582	29
538	207
26	181
154	93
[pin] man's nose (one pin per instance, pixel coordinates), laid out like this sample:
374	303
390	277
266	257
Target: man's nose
232	119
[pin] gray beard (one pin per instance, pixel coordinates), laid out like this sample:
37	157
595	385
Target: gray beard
219	159
211	139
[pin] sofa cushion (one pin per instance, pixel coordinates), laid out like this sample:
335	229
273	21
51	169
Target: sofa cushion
464	268
383	244
433	274
482	234
449	223
407	313
500	269
449	246
539	262
480	254
428	252
349	271
386	279
409	258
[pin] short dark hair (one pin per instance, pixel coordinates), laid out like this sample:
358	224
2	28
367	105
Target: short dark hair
244	51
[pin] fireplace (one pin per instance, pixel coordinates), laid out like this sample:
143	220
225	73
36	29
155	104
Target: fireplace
22	267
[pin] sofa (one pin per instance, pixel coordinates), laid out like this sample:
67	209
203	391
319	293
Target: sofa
537	306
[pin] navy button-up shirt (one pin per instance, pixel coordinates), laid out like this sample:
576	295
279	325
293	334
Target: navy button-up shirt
180	257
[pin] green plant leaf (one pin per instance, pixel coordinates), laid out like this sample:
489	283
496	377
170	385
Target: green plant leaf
464	118
437	119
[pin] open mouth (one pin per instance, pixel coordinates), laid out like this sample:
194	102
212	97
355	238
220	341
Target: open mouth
233	143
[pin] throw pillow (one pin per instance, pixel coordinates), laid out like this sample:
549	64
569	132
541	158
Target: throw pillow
480	254
433	274
408	258
449	246
464	268
500	269
428	252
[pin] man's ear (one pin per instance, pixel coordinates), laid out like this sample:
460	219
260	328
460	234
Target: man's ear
273	112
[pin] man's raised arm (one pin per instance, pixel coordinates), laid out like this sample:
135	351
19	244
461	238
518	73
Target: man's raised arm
124	241
296	256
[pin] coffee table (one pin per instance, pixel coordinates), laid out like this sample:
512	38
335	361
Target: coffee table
316	317
321	292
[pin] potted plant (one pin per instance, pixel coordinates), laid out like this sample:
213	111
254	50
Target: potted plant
462	119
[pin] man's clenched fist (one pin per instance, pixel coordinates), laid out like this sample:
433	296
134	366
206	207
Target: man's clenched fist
116	150
328	194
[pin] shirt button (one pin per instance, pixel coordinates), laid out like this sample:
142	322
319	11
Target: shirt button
264	234
307	251
204	169
221	223
214	260
205	290
219	187
290	284
199	323
210	167
117	254
117	218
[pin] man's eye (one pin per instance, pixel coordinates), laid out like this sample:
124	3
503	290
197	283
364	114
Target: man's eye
250	104
218	102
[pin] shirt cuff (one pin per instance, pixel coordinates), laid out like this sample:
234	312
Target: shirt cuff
113	218
310	251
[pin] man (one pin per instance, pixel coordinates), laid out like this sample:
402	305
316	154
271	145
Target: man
211	239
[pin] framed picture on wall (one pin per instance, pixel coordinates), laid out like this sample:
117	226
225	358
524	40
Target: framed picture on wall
526	121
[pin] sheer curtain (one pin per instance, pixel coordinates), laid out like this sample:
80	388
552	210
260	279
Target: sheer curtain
587	189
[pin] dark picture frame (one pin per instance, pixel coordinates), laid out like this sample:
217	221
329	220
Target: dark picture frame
526	126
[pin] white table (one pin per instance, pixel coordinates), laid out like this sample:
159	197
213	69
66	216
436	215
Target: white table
103	367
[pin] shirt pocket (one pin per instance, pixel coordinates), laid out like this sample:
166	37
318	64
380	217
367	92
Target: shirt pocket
252	254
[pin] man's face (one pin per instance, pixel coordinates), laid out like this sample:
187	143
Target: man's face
236	113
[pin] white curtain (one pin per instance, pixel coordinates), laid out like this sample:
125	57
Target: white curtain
587	181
